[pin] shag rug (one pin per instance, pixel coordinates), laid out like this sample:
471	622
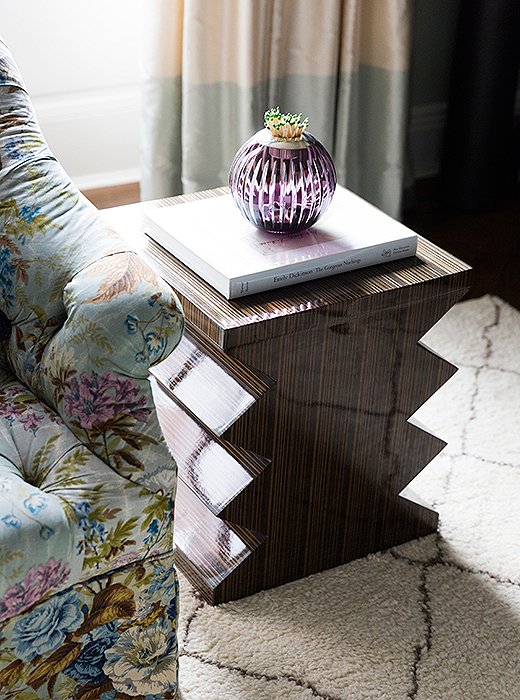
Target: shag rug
436	618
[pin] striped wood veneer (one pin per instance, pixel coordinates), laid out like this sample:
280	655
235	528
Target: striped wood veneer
295	443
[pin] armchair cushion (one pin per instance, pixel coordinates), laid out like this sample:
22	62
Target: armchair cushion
64	516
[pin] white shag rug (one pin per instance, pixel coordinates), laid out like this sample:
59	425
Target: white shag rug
434	619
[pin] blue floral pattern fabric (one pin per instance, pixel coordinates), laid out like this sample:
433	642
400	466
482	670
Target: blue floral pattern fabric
88	608
111	638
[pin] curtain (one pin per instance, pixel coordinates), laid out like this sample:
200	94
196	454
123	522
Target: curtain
480	161
213	67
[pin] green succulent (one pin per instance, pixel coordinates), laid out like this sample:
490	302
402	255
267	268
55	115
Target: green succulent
288	127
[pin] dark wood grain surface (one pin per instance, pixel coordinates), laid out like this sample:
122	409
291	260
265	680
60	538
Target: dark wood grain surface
333	370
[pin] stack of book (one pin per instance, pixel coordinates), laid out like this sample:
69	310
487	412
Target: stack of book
212	238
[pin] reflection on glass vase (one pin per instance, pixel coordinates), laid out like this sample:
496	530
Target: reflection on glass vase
282	179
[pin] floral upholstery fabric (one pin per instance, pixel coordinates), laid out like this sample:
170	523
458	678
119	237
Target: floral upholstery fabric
87	482
61	507
111	638
81	306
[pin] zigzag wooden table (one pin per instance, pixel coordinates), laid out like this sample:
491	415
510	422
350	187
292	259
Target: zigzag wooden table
287	412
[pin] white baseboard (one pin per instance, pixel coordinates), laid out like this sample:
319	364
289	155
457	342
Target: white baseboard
94	134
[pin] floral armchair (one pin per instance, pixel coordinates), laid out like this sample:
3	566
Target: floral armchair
88	592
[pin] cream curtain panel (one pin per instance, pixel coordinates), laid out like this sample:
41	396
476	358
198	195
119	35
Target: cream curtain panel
212	68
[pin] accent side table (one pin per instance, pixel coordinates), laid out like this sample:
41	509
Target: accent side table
287	412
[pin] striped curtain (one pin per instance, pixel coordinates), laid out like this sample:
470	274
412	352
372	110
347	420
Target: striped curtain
212	68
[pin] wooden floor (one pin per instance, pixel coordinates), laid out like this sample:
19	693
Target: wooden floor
489	242
105	197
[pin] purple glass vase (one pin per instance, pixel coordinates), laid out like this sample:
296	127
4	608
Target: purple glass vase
282	186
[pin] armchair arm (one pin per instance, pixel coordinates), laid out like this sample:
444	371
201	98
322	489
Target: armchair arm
88	318
120	319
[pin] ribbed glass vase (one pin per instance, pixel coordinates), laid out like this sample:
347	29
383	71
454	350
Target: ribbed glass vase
282	186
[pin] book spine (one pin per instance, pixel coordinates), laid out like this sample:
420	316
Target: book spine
314	269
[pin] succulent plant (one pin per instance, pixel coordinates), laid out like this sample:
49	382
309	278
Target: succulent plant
286	127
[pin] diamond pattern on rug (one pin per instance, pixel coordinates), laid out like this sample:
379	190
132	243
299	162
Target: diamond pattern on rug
433	619
475	637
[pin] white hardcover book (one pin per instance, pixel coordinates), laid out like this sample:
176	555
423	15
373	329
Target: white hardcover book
214	240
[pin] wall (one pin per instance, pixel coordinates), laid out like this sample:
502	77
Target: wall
80	61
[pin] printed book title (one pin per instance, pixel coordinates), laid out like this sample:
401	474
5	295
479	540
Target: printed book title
318	269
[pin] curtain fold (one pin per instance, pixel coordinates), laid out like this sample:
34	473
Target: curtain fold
212	68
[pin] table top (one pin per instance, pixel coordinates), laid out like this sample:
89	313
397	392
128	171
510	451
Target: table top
431	263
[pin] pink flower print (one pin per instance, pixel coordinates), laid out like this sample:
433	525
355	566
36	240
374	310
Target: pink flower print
127	558
56	571
13	406
90	400
12	604
7	409
96	399
128	400
39	579
31	421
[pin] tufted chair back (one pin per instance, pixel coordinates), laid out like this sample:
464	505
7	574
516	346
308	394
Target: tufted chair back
82	317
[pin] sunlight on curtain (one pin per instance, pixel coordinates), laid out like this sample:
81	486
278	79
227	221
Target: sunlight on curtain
212	67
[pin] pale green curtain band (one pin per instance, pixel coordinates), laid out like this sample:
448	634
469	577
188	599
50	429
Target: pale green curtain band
161	138
342	63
